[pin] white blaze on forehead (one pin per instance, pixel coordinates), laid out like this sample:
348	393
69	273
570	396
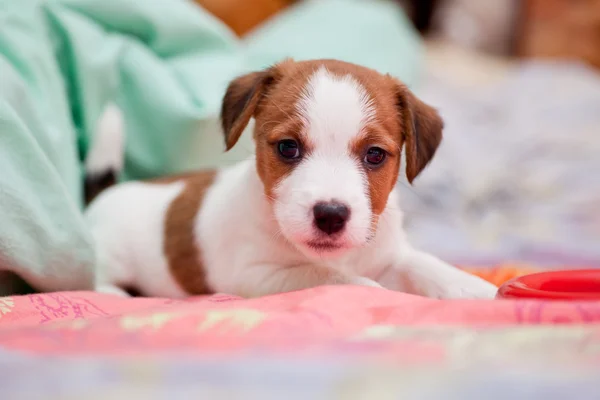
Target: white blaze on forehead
334	109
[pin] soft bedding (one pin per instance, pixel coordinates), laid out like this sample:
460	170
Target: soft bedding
326	342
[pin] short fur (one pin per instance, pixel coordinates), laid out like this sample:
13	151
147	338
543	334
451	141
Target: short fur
249	229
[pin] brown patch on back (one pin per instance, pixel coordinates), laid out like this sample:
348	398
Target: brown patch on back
180	245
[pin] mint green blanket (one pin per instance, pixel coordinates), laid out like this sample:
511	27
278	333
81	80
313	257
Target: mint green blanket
166	63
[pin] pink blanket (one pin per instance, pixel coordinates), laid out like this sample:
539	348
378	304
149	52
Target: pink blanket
321	320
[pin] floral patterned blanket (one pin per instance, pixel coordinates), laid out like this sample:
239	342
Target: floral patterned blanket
327	342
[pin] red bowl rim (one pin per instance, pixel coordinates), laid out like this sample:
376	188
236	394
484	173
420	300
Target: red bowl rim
527	286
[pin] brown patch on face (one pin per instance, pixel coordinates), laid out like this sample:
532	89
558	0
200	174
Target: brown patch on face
180	245
401	119
271	166
278	119
271	97
382	178
383	131
268	97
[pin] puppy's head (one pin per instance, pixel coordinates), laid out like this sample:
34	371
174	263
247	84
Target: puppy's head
328	140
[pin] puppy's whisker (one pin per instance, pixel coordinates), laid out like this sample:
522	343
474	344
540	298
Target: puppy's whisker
264	125
276	105
276	235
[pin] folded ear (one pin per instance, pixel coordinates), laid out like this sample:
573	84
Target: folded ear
241	102
422	131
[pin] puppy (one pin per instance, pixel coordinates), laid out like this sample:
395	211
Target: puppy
317	205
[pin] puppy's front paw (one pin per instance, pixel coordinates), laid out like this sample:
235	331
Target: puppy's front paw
362	281
114	290
469	287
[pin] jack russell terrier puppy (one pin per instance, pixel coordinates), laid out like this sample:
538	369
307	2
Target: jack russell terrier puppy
317	205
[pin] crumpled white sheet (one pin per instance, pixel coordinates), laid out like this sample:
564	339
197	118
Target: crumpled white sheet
517	177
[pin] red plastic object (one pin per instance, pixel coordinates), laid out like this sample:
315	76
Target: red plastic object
555	285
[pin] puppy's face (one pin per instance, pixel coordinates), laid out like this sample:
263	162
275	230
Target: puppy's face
328	141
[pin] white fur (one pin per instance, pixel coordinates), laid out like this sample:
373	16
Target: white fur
127	223
249	249
106	150
334	111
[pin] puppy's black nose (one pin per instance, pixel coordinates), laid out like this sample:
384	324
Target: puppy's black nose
331	217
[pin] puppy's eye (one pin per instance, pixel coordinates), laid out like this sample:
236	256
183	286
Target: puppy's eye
288	149
375	156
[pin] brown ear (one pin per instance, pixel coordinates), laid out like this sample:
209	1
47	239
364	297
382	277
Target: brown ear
422	129
241	101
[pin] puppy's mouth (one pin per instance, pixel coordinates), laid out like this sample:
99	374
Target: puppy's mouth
324	246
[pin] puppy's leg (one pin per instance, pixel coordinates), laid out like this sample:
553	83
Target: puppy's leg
261	280
112	276
110	289
420	273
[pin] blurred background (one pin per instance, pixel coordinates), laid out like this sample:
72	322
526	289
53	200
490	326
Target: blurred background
520	28
517	178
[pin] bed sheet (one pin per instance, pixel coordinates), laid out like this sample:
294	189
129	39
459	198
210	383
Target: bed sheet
326	342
